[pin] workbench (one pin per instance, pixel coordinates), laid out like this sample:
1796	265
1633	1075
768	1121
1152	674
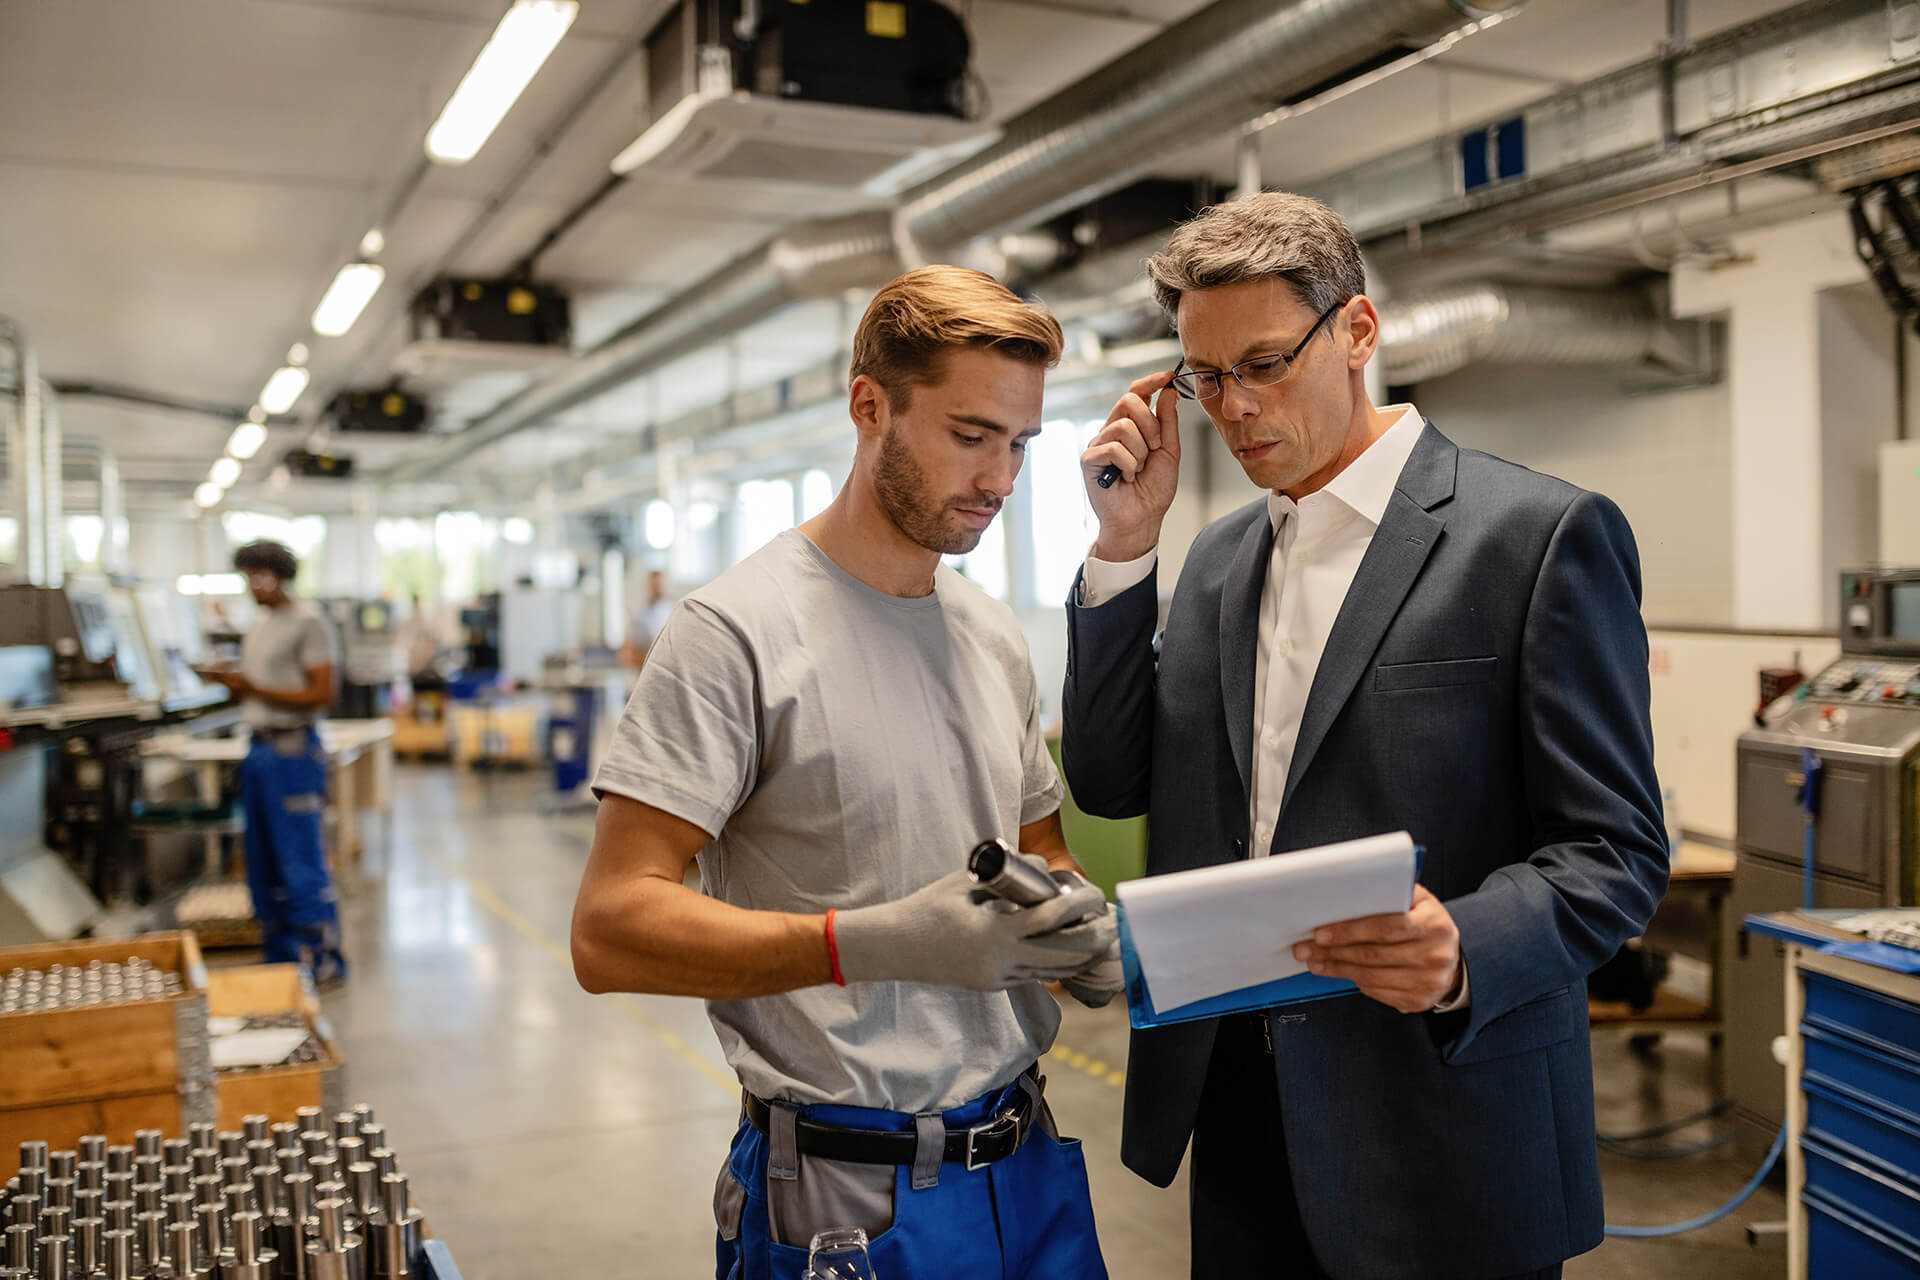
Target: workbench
1852	1105
359	776
1700	876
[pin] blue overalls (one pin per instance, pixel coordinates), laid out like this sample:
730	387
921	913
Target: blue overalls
1028	1216
283	790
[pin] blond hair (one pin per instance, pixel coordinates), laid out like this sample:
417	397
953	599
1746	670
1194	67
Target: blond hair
914	321
1271	235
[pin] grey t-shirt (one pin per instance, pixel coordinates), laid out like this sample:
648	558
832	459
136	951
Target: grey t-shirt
848	747
280	648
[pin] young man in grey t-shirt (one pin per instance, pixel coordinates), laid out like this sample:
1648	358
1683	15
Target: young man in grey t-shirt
827	729
284	683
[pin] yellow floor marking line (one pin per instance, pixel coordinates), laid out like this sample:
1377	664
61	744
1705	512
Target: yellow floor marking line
1092	1066
627	1004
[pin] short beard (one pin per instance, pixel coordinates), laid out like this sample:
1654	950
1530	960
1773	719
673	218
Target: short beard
901	487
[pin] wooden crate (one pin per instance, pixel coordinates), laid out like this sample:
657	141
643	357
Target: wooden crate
107	1070
413	737
274	1092
505	733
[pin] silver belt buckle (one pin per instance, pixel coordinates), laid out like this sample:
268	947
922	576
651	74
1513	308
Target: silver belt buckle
1006	1119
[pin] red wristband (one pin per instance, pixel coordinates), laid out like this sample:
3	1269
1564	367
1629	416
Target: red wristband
833	953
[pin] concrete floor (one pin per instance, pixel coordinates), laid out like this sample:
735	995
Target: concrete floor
552	1132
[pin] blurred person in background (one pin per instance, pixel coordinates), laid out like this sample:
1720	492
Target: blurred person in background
644	627
285	682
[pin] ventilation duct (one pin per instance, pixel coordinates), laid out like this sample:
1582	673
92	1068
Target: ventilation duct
1429	335
1225	65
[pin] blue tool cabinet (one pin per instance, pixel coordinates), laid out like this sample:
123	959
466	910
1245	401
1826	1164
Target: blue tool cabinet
1853	1116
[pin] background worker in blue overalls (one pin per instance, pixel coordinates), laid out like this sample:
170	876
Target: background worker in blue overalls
829	727
284	683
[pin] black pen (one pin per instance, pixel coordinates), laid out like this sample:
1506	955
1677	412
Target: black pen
1108	474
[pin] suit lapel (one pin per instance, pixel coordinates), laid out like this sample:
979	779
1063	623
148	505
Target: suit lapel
1240	638
1400	547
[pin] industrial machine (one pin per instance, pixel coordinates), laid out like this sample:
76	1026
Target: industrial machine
90	669
368	661
74	624
1828	815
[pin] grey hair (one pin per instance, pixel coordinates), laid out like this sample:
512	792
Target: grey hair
1271	235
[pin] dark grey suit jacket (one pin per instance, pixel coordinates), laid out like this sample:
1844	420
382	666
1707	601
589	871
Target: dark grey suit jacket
1485	688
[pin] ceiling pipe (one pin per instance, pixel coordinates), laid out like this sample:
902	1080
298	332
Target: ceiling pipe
1429	335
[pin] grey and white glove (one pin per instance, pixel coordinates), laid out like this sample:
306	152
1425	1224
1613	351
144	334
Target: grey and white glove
1096	985
941	935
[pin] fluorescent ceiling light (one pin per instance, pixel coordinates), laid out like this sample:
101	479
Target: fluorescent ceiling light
256	414
283	388
187	584
208	494
297	353
246	440
346	298
522	41
372	243
225	472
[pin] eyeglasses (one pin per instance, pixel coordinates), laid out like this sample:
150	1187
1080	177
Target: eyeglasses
1260	371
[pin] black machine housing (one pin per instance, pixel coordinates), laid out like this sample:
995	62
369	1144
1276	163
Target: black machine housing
517	311
385	411
895	55
307	464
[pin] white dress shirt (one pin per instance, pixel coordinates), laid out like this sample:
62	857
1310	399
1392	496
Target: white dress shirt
1318	545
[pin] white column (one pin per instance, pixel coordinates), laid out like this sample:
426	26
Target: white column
1782	551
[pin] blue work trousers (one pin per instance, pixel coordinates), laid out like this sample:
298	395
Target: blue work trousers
1026	1217
283	791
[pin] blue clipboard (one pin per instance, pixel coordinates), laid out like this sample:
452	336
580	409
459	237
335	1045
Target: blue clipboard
1299	989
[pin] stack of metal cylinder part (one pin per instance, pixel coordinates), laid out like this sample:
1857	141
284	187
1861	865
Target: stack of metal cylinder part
319	1199
72	987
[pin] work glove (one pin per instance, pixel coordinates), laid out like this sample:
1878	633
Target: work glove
1096	985
942	936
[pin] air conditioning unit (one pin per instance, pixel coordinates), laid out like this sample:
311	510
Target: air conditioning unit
463	328
870	97
310	464
385	411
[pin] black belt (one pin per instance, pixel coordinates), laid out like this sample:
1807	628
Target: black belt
976	1147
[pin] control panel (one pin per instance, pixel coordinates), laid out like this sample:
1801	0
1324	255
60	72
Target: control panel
1854	679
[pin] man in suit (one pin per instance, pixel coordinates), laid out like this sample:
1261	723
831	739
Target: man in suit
1401	634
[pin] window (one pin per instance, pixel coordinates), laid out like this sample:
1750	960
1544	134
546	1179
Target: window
763	509
408	568
1062	520
84	536
464	542
658	524
986	565
816	491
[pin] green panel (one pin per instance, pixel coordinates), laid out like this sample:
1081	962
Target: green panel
1110	851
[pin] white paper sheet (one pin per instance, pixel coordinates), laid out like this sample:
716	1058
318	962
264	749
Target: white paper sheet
267	1047
1203	933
